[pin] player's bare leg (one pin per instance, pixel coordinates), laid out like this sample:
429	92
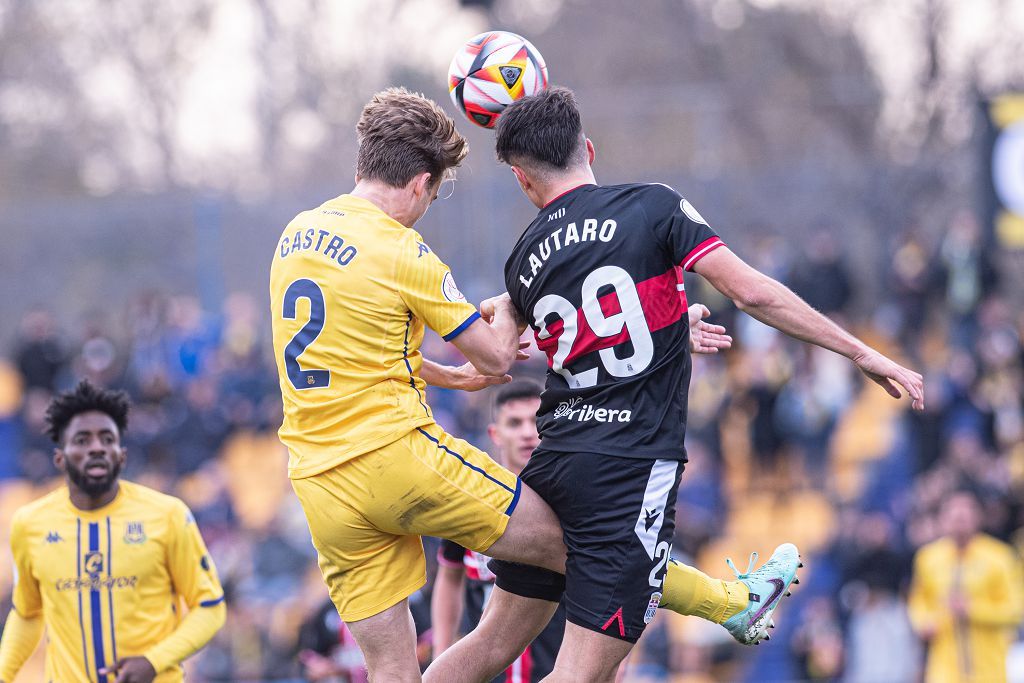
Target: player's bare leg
533	535
588	657
388	642
510	622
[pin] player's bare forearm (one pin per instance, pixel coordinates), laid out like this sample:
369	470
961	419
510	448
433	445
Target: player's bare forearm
492	347
776	305
21	636
464	377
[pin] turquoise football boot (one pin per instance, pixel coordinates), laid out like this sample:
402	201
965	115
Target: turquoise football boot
767	585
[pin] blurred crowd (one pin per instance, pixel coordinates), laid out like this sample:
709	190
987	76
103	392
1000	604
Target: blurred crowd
784	440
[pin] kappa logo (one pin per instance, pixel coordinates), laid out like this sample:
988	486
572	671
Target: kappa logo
650	516
134	533
424	249
652	607
54	537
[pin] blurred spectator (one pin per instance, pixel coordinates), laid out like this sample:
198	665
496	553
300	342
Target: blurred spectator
966	274
38	353
823	279
967	598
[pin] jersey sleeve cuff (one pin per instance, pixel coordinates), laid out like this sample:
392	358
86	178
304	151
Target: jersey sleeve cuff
462	328
702	250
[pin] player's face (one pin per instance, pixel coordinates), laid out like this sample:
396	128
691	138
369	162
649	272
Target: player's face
514	432
961	517
91	455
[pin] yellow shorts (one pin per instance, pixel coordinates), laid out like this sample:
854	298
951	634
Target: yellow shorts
367	514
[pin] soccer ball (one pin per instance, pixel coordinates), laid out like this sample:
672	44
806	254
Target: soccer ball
491	71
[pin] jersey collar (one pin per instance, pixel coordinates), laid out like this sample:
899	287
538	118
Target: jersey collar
571	189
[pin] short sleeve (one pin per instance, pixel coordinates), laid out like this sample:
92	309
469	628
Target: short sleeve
451	554
680	229
191	567
428	289
26	597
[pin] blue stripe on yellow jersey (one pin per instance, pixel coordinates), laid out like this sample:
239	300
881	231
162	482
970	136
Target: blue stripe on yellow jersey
142	550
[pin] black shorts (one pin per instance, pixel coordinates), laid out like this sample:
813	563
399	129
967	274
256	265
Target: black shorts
618	517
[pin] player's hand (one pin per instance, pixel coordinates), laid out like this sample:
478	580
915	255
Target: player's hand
468	378
891	376
705	337
488	306
131	670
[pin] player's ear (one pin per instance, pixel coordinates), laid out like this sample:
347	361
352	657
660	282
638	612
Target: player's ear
591	153
524	180
492	433
421	184
58	460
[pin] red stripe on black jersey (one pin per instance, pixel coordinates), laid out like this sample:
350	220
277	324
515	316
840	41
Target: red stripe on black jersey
700	251
663	304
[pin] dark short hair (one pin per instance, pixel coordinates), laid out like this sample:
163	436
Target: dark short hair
85	398
516	390
542	129
402	134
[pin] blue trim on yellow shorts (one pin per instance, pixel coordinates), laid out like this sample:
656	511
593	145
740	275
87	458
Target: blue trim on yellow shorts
514	492
515	498
461	328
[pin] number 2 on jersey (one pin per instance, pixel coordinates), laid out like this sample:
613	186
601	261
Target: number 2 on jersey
299	377
629	318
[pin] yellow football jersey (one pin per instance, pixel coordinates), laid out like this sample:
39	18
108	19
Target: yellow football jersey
989	576
350	291
108	582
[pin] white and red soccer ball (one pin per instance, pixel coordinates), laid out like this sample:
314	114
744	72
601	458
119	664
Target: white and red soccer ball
491	71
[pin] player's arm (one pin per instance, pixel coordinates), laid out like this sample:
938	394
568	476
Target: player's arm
927	613
464	377
428	288
776	305
447	599
1002	601
24	626
20	639
195	580
492	347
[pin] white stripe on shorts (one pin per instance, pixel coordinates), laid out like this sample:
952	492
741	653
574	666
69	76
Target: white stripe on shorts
652	513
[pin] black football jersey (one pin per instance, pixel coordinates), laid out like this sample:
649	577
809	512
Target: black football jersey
598	276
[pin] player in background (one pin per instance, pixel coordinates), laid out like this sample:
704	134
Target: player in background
352	287
463	580
596	276
105	566
966	597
